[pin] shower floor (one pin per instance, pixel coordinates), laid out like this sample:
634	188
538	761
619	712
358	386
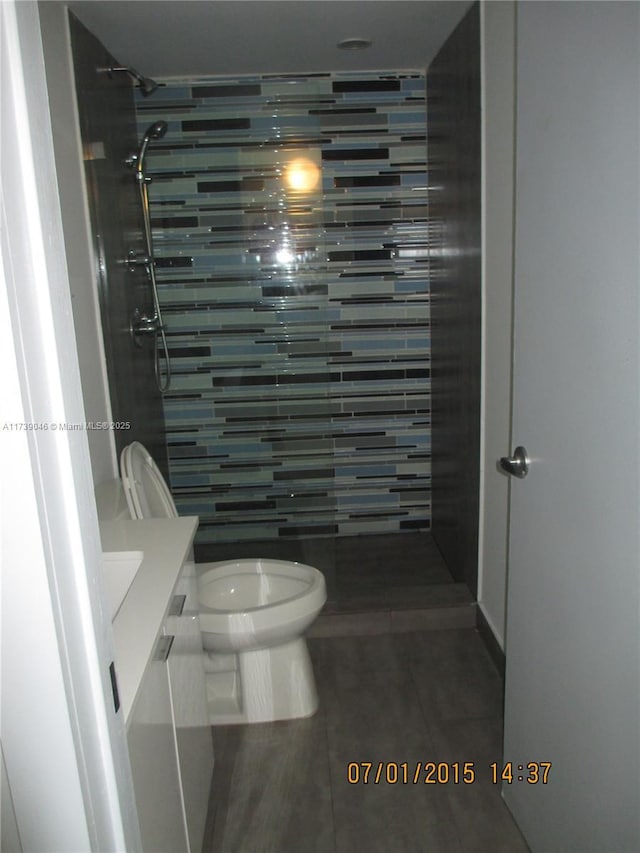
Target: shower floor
382	581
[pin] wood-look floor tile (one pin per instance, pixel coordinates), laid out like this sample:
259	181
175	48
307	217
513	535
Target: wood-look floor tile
279	791
418	697
483	821
394	820
454	674
367	723
356	661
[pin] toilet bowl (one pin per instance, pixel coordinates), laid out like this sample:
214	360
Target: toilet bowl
252	613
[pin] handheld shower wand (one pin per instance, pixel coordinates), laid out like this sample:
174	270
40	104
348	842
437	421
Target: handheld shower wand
141	324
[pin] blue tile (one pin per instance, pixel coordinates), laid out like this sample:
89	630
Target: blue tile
253	409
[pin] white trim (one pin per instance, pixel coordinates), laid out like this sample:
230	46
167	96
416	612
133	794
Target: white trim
497	51
483	299
63	743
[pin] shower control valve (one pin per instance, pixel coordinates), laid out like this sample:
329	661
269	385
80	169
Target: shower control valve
142	325
137	259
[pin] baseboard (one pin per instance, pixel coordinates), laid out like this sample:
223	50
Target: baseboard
490	641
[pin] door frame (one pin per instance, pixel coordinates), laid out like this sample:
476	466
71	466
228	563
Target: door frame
63	744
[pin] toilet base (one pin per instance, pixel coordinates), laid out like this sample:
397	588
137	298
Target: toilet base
260	686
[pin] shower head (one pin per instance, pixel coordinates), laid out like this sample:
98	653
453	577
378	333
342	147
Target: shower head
156	130
146	84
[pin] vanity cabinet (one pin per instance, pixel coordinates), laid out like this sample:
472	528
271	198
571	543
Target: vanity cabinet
169	735
194	738
159	668
152	752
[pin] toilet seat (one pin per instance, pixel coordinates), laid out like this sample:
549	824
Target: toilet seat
255	603
145	488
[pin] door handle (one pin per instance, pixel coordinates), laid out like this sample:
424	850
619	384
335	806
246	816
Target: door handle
516	465
177	605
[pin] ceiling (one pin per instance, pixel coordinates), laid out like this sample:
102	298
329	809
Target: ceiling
188	38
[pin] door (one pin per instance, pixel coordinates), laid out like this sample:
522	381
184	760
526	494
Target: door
572	645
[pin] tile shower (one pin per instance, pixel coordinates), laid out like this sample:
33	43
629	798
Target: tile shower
291	231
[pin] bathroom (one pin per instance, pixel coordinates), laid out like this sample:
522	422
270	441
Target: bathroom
392	692
299	418
382	611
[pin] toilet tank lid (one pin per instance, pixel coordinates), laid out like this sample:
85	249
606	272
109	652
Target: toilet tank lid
145	488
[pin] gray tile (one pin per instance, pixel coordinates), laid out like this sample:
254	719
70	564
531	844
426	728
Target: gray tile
382	724
454	675
483	821
393	698
434	595
375	722
401	597
346	662
478	741
278	797
350	624
433	618
394	819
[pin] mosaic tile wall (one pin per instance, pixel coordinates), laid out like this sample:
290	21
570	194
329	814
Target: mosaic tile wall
290	224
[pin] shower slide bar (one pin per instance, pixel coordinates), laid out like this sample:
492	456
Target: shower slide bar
141	324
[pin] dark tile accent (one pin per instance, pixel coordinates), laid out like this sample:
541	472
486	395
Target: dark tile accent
241	506
361	255
274	291
416	524
168	263
366	86
192	452
368	181
190	352
355	154
309	530
174	222
346	111
372	375
216	124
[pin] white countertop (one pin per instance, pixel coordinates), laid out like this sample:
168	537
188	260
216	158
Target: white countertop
166	543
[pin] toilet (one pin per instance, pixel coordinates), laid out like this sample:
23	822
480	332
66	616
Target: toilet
253	614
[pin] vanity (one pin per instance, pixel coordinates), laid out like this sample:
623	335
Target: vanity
159	671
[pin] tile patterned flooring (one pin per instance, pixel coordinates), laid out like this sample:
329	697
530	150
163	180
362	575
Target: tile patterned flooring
376	577
396	697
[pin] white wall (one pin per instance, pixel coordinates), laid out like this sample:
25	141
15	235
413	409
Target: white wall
497	24
81	263
63	743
